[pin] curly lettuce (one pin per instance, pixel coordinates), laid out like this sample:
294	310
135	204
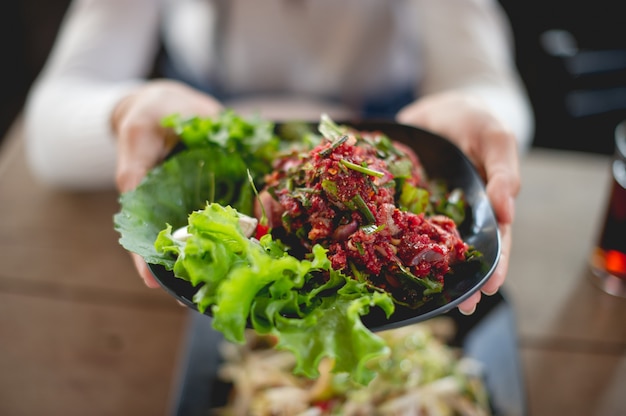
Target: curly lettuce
247	282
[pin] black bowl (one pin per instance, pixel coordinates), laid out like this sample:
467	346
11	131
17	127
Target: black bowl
444	161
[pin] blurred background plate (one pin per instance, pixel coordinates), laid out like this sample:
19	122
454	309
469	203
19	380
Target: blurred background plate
489	336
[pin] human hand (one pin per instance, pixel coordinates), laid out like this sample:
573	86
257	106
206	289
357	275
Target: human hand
469	124
142	142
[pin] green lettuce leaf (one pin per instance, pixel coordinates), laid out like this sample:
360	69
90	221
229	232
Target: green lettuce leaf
313	310
213	167
244	281
252	139
175	188
334	329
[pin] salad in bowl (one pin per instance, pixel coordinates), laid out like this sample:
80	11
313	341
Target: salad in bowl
317	235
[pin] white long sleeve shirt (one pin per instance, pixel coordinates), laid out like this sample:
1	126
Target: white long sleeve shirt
354	52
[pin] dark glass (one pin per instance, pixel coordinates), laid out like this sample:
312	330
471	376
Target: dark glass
608	259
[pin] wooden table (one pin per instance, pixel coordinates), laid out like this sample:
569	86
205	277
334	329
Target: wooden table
81	335
572	336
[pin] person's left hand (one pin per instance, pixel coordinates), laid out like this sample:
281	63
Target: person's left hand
469	124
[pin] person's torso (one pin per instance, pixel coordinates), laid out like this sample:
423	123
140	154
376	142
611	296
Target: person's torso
349	50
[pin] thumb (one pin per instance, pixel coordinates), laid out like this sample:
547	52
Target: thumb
139	149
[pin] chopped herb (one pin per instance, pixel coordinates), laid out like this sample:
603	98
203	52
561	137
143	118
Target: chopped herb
453	206
430	285
414	199
361	169
363	208
334	145
328	128
372	228
330	187
358	274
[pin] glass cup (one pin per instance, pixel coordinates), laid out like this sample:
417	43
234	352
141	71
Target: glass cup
608	258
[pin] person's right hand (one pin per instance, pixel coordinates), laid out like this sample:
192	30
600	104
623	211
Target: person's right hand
469	123
141	140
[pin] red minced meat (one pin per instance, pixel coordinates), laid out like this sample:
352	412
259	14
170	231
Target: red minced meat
326	199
